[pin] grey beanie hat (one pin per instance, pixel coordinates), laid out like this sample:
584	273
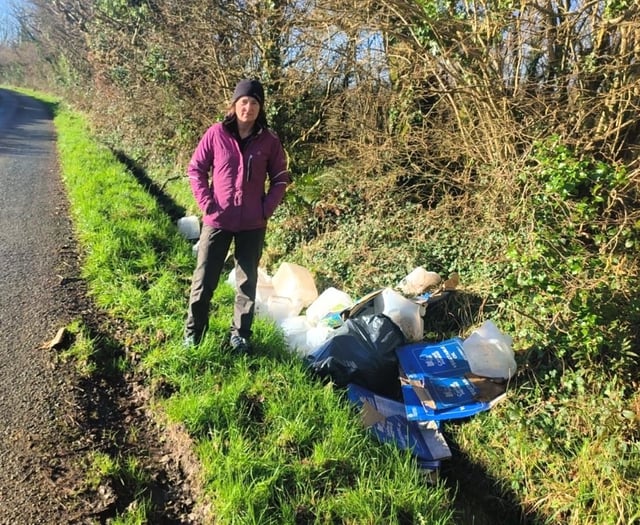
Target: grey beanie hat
249	88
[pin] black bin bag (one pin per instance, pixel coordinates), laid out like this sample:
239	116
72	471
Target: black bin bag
362	351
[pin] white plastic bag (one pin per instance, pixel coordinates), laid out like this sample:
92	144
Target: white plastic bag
189	227
329	301
280	308
295	333
317	335
302	337
405	313
489	352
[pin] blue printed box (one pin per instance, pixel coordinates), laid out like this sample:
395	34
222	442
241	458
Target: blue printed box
437	383
418	405
433	359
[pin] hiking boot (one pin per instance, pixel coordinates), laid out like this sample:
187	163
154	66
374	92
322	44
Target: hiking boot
239	344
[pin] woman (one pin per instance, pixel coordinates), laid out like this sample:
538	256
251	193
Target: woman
228	173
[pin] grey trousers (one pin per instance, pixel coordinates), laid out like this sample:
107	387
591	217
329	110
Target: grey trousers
212	252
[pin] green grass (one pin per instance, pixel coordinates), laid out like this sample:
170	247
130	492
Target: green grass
275	445
82	351
117	474
579	448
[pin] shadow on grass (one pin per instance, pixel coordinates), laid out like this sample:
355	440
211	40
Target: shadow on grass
167	204
450	314
52	107
480	499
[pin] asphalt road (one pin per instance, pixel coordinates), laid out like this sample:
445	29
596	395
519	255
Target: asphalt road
52	419
35	236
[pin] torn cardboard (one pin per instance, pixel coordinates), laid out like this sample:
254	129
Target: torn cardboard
387	420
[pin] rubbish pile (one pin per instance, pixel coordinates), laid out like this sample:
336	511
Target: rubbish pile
374	347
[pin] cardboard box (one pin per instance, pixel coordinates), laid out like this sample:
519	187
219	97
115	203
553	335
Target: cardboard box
418	404
437	383
387	420
366	304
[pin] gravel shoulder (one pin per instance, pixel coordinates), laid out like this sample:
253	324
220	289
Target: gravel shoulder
51	419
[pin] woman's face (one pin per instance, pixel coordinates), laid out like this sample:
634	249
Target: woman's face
247	109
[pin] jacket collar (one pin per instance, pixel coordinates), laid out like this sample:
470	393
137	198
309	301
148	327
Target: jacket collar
231	125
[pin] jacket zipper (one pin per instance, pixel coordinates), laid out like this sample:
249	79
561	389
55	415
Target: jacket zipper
249	168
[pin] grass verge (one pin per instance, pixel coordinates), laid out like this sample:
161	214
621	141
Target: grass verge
275	445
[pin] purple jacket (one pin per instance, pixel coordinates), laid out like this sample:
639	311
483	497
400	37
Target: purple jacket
235	199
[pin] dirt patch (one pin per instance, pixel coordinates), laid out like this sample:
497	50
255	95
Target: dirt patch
110	413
